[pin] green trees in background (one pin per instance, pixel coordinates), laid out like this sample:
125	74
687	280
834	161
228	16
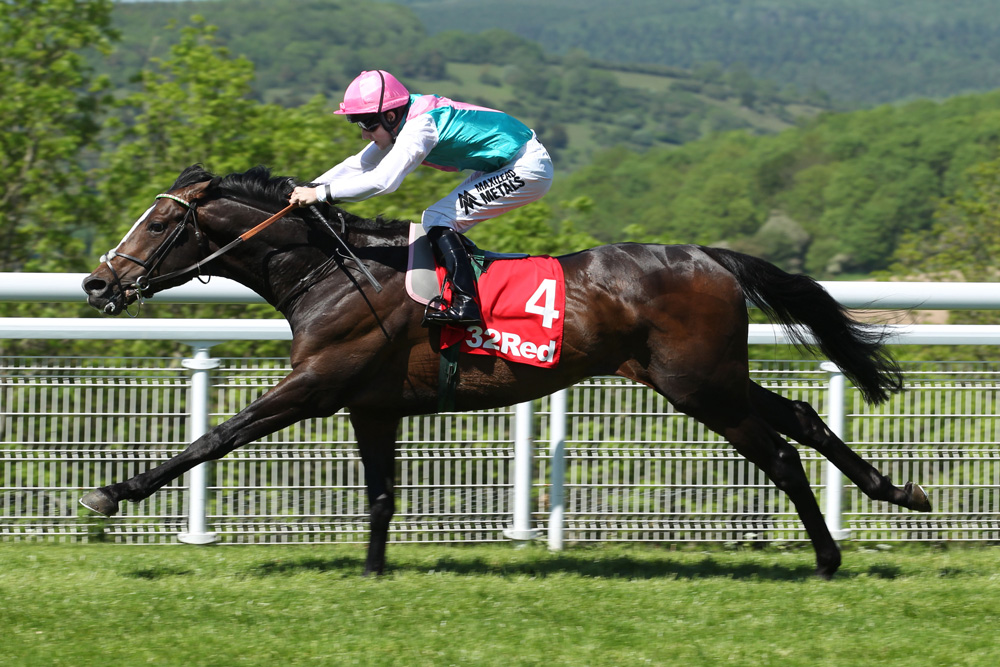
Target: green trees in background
194	106
321	45
50	114
964	242
864	52
833	196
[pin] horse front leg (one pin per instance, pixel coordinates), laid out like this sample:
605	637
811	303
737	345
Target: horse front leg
376	436
293	399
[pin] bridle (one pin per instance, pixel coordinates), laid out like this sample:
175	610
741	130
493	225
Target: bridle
145	282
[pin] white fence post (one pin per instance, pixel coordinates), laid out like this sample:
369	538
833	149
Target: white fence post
524	453
836	391
557	468
198	406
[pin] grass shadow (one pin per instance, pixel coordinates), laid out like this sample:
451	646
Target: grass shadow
291	566
618	567
159	572
547	565
882	572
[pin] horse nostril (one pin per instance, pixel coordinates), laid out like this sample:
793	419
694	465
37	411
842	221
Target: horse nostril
94	286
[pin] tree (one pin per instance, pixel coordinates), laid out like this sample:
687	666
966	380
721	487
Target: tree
196	106
962	246
528	229
193	107
49	114
964	243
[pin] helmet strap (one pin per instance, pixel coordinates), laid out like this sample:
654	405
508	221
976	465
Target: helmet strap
401	116
383	121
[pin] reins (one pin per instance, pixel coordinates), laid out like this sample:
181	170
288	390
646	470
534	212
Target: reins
250	233
348	253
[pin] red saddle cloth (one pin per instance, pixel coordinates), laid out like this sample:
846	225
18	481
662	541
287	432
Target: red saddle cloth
523	302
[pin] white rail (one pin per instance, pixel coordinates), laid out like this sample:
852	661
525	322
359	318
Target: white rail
66	287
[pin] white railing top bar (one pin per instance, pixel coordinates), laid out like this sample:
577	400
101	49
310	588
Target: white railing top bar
143	328
65	287
191	330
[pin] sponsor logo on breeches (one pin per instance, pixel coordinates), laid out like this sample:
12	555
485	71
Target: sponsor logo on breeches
491	189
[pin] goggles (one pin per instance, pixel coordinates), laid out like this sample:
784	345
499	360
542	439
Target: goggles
368	122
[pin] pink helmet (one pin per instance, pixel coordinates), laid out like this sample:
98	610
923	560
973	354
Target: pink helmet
373	92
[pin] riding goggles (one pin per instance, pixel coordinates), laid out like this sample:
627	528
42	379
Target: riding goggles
368	122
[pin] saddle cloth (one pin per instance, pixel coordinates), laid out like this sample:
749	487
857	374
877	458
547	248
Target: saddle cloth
522	300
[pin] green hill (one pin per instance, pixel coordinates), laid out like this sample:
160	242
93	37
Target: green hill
833	196
643	152
860	52
576	104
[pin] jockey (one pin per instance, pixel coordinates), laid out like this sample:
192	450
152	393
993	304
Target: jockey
510	168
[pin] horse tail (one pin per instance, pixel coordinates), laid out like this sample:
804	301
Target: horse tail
856	347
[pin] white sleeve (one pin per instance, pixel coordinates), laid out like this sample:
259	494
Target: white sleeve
367	159
374	171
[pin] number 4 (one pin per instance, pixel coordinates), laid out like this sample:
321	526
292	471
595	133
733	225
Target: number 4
547	311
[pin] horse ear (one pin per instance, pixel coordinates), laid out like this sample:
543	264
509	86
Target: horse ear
200	190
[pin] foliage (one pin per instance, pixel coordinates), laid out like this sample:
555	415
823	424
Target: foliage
318	48
964	242
49	114
961	246
858	52
299	49
848	186
195	107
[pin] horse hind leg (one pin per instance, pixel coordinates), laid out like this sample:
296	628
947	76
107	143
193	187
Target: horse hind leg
724	408
798	421
757	441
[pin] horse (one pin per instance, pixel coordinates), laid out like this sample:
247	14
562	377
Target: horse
672	317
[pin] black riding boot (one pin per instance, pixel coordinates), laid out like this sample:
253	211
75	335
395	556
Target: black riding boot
450	251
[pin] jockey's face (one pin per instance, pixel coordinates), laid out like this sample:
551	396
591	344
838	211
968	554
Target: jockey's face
380	135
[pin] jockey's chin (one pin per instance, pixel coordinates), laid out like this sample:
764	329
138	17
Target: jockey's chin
380	136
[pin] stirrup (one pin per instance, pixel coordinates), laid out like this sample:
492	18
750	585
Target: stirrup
436	304
439	312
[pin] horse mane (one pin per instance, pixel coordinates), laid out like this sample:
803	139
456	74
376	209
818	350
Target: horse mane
259	186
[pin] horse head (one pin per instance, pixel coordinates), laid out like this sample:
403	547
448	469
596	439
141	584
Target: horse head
162	241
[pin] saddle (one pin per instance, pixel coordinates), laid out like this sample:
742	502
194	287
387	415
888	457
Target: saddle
525	328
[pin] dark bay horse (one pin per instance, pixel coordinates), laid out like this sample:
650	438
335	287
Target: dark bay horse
671	317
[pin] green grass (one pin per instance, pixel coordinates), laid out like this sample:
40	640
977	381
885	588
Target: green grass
99	604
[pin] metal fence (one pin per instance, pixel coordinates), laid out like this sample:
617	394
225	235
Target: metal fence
635	468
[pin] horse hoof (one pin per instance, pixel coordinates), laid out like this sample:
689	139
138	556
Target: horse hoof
918	499
827	566
100	502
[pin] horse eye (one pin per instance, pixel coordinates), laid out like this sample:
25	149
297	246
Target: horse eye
156	227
